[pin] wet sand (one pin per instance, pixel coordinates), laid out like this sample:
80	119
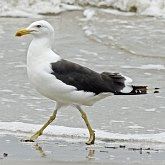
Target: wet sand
13	151
68	163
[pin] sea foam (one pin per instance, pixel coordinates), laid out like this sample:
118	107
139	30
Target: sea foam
28	8
54	131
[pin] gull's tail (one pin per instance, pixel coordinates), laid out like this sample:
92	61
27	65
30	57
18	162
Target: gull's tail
138	90
122	85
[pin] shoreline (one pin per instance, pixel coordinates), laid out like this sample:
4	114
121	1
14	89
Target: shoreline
43	152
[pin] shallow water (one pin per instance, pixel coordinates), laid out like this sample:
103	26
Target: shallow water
131	45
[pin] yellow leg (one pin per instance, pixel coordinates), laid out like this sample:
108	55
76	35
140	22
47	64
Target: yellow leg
40	131
91	131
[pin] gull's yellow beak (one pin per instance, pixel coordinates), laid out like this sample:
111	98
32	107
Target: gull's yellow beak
22	32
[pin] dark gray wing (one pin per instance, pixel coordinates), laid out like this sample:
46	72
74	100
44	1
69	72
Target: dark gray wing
86	79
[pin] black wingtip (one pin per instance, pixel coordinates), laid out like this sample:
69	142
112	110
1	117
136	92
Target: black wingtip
144	90
139	90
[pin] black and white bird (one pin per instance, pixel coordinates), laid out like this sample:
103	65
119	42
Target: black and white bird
66	82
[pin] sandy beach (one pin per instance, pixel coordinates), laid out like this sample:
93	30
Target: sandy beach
45	151
67	163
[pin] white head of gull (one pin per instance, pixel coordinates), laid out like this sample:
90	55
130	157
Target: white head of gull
66	82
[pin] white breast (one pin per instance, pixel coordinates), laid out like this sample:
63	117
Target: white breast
39	72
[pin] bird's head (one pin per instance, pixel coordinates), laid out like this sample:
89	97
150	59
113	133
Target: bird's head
37	29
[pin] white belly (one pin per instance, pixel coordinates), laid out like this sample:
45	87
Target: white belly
54	89
47	84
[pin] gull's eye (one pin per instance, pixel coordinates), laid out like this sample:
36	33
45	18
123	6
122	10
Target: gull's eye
38	26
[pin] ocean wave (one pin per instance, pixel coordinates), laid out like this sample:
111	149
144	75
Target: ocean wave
36	8
142	7
54	131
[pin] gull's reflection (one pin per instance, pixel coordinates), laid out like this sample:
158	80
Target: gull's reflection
91	153
39	149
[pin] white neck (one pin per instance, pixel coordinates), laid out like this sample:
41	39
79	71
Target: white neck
44	43
39	59
40	51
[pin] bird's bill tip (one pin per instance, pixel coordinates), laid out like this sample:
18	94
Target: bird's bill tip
22	32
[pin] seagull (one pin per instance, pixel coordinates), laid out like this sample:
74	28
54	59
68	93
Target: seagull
68	83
